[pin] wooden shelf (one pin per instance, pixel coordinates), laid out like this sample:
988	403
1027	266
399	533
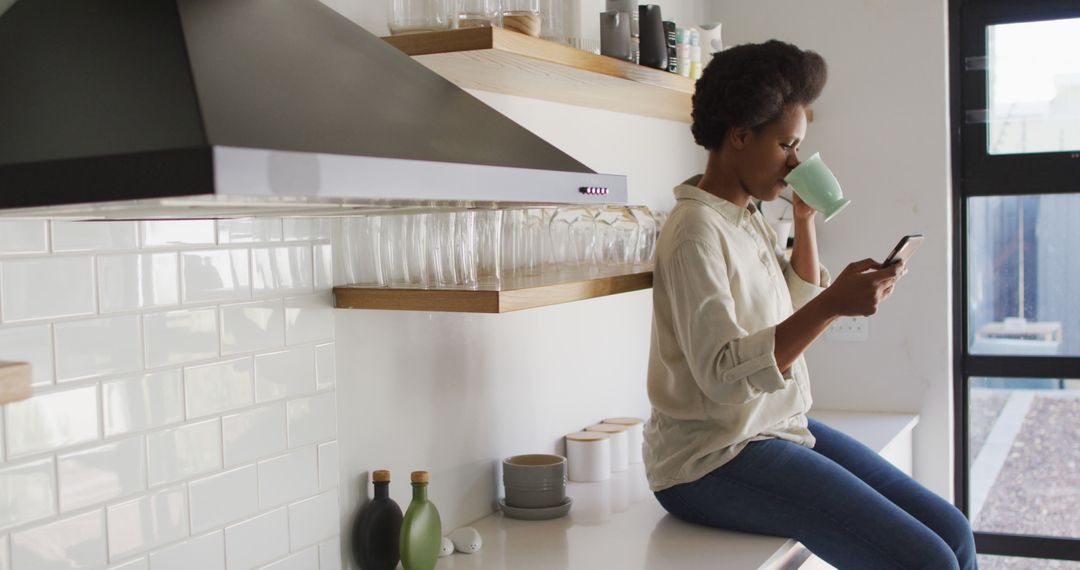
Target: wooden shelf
14	381
498	60
525	294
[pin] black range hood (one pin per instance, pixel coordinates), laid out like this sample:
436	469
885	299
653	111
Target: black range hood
175	105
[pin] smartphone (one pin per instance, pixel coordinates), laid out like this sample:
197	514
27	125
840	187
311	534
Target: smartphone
904	249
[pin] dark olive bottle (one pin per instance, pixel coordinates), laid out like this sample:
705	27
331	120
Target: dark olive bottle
377	533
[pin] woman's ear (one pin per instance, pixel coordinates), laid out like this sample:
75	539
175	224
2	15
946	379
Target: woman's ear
739	137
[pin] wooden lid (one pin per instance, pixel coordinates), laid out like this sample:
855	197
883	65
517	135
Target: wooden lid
623	421
419	477
381	476
588	436
607	428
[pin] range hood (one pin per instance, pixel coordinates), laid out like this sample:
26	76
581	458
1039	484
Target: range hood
176	108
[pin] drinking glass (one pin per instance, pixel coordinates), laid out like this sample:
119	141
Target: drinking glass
522	16
476	13
617	230
553	20
442	269
416	16
416	250
513	242
489	247
465	249
361	264
572	231
393	249
648	231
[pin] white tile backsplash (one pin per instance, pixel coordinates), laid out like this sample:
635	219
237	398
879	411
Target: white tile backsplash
215	275
191	457
330	554
94	236
142	402
75	542
215	388
23	236
287	477
46	287
181	452
180	336
94	347
287	373
51	421
312	419
31	344
313	520
258	540
253	326
254	434
133	281
205	553
303	560
147	522
27	492
101	474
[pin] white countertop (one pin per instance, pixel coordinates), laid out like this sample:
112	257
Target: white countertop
618	524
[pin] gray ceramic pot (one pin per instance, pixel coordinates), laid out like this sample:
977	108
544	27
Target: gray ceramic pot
535	481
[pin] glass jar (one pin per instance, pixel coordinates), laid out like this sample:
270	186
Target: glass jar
553	20
522	16
417	16
476	13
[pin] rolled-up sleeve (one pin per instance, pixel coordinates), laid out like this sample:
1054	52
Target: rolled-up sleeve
729	364
801	291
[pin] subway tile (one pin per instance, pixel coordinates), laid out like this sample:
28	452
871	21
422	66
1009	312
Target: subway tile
253	326
101	474
30	344
285	269
94	236
306	229
328	465
258	540
325	366
132	281
142	402
23	236
48	287
4	553
27	493
181	452
137	564
147	522
94	347
324	266
254	434
313	520
249	230
285	374
309	319
76	542
223	498
215	275
312	419
205	553
51	421
287	477
330	554
303	560
180	336
158	233
216	388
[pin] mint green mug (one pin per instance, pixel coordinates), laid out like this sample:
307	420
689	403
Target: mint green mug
817	186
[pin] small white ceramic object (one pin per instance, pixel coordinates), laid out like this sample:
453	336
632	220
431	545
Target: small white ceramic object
588	456
620	444
635	433
446	548
466	540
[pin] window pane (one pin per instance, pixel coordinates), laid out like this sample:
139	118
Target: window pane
1034	87
1024	275
1024	462
989	562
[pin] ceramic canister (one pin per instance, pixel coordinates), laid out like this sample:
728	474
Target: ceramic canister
635	432
619	444
588	456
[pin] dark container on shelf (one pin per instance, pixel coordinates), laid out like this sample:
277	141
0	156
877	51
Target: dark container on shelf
653	44
376	535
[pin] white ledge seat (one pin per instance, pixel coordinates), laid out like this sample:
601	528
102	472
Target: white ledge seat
619	524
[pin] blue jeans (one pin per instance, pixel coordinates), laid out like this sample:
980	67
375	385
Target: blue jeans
841	500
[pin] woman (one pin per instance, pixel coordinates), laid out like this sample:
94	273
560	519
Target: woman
729	443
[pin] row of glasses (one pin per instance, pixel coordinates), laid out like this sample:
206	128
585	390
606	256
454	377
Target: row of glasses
484	248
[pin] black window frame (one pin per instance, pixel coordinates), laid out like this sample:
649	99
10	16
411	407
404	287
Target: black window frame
975	172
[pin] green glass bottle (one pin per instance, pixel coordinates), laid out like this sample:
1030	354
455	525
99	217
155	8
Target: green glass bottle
421	531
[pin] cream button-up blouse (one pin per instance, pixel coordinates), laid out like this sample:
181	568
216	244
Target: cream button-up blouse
721	284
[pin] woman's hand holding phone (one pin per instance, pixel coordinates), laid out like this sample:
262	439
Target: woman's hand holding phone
858	290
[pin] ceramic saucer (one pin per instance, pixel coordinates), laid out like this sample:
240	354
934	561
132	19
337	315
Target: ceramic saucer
536	514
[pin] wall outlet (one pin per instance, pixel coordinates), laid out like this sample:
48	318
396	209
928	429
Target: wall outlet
849	329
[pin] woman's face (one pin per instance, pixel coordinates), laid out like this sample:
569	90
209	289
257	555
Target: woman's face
766	156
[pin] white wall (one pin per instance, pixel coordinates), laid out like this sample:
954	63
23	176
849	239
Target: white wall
882	126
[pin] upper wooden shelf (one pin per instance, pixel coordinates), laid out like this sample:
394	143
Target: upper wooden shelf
494	59
524	294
